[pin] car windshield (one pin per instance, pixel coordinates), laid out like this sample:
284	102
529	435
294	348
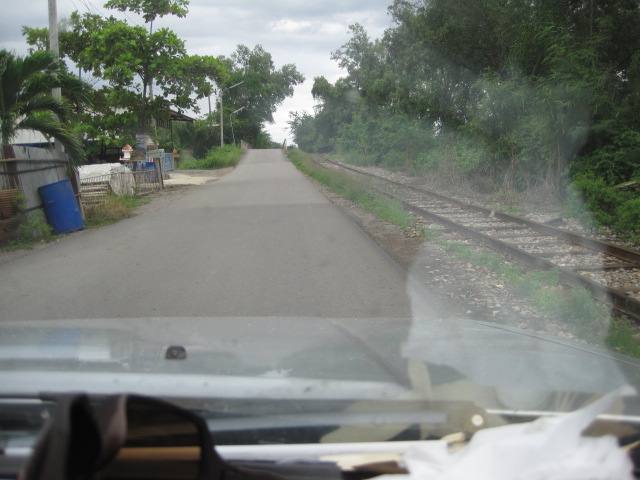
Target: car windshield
331	223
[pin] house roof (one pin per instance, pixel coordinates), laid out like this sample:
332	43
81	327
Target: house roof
180	117
173	117
29	137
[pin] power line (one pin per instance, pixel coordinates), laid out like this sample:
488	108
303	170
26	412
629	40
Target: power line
131	19
91	8
98	11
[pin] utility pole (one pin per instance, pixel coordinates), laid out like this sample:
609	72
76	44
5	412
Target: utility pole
222	111
53	38
221	129
53	27
150	77
231	119
53	48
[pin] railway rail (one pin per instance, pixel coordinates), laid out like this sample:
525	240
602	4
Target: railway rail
610	272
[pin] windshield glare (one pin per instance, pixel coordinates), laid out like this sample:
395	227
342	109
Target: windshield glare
338	223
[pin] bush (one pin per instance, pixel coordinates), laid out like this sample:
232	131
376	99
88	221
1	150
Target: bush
628	217
395	160
617	161
34	228
593	202
217	157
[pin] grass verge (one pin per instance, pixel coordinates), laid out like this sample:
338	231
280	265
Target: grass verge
114	209
344	185
218	157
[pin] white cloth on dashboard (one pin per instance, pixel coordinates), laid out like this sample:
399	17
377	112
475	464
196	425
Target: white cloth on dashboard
549	448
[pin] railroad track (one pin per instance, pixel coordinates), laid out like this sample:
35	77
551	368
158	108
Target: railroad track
610	272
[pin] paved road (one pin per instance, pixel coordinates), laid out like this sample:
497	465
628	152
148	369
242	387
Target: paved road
262	241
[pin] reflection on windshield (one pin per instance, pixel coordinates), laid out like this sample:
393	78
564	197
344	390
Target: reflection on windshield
412	268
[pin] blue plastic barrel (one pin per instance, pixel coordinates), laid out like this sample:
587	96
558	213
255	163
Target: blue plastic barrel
61	207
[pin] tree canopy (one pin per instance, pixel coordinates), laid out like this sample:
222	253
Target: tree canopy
261	88
151	9
127	59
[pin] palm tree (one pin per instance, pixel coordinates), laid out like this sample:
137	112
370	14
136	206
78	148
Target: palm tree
26	101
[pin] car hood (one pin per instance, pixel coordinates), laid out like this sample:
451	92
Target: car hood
307	358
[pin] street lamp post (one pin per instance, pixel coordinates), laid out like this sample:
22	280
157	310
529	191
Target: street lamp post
231	119
222	90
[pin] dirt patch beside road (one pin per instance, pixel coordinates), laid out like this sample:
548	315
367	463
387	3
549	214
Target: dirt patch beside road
182	184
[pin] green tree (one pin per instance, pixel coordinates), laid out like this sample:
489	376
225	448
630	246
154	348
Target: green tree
263	88
127	59
522	91
304	132
361	58
151	9
26	101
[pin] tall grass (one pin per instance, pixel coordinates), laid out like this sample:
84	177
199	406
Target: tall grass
114	209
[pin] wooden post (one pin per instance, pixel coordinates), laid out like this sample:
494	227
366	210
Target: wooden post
158	163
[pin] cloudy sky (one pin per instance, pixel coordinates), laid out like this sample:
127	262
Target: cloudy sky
303	32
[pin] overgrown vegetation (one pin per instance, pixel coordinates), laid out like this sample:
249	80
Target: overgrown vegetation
217	157
116	208
512	96
344	185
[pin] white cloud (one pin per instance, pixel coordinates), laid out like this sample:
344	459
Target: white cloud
306	29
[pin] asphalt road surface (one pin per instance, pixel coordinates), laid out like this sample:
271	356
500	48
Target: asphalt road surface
262	241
